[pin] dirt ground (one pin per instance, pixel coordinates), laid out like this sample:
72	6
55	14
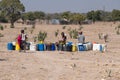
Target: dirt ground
61	65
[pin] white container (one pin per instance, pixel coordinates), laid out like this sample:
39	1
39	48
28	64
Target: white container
90	46
96	47
103	47
13	43
32	47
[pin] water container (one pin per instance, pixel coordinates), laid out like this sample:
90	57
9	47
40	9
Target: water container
69	43
103	47
41	42
88	46
10	46
17	46
14	43
74	48
69	46
96	47
52	47
32	47
37	47
85	46
81	47
41	47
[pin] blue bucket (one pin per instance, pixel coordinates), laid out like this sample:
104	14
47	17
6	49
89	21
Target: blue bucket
81	48
69	43
40	47
53	47
10	46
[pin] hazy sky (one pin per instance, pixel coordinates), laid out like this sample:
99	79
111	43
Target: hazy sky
52	6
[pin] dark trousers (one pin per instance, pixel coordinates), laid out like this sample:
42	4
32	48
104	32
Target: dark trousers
23	45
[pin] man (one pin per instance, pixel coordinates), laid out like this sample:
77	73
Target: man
23	40
81	37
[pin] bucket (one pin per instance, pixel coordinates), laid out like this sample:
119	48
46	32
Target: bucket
10	46
48	48
17	46
81	47
41	47
69	47
69	43
32	47
52	47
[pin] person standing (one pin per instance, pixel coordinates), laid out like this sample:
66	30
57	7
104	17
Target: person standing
81	38
23	40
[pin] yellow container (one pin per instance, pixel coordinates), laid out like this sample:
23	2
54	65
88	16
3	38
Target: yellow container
74	48
17	47
41	42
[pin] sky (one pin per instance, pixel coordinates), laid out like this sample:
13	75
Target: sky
82	6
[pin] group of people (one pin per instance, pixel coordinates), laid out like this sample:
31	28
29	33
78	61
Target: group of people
81	37
21	39
62	43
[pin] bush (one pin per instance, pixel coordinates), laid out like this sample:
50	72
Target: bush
56	33
1	27
1	35
63	27
73	34
42	36
117	29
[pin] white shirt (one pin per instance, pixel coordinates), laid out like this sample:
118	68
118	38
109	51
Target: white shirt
23	36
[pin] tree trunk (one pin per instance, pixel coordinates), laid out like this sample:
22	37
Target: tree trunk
12	24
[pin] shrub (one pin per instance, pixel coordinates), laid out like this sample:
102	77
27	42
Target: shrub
42	36
1	35
1	27
73	33
64	27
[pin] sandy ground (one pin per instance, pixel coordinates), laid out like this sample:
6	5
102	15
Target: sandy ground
59	65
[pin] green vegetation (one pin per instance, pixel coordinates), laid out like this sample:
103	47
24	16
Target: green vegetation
1	27
42	36
64	27
12	9
73	33
56	33
1	35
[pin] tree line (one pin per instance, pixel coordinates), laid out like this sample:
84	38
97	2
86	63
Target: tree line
12	10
